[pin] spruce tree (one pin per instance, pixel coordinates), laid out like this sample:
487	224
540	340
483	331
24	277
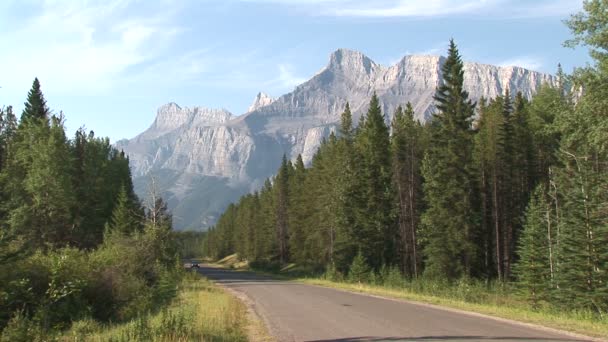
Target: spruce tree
359	271
407	152
8	127
41	192
35	106
377	228
533	271
282	193
450	218
297	218
346	123
124	218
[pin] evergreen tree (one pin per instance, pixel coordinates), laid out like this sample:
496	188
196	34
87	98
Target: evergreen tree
533	271
8	127
41	191
450	218
359	271
376	234
266	240
346	124
35	106
297	218
343	169
124	218
583	239
282	193
407	152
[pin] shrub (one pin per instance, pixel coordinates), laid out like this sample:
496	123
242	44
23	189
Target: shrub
332	273
21	329
359	270
393	278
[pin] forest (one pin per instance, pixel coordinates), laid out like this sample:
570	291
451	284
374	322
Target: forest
76	243
507	190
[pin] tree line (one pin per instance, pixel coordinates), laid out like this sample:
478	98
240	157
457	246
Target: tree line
76	243
508	189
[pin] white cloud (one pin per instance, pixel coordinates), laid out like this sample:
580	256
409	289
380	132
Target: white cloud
434	8
415	8
83	46
526	62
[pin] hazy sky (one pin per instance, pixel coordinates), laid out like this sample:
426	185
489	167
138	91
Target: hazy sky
109	64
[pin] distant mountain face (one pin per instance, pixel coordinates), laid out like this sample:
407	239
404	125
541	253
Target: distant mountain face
203	159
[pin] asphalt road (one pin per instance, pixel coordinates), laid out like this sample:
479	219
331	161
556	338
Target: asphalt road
299	312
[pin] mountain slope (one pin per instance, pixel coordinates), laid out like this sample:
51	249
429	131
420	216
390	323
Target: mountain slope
206	158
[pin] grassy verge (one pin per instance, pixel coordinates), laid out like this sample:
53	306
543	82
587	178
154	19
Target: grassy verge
493	300
201	312
581	323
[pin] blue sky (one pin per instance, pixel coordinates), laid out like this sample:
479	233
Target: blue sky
109	64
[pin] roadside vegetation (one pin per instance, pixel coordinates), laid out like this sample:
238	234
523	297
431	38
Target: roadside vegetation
82	258
200	312
499	204
494	299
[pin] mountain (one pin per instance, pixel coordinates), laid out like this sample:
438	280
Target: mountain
261	100
202	159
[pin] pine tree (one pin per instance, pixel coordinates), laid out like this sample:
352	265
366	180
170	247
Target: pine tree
125	219
297	218
377	225
533	271
282	193
266	240
343	168
40	186
359	271
35	106
346	124
583	250
449	219
407	153
8	127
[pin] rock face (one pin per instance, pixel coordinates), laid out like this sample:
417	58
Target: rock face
261	100
203	159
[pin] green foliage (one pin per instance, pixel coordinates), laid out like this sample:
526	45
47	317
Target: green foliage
35	106
534	270
590	27
359	271
450	215
375	230
407	151
56	265
449	208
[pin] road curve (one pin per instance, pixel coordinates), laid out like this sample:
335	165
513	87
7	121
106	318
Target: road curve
299	312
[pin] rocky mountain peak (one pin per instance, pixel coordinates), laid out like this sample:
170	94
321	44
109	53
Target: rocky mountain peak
261	100
207	158
345	59
169	116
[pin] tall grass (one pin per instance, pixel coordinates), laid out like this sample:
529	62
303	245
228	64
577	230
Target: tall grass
201	312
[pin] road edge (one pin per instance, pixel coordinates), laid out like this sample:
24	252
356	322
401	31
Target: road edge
465	312
408	301
259	328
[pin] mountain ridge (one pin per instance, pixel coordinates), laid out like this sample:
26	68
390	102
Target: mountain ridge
235	154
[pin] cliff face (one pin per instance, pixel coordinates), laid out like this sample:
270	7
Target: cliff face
206	158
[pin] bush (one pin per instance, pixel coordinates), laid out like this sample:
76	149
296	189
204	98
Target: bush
21	329
359	270
332	273
393	278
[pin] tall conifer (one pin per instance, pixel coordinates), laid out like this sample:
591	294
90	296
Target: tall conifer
449	219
